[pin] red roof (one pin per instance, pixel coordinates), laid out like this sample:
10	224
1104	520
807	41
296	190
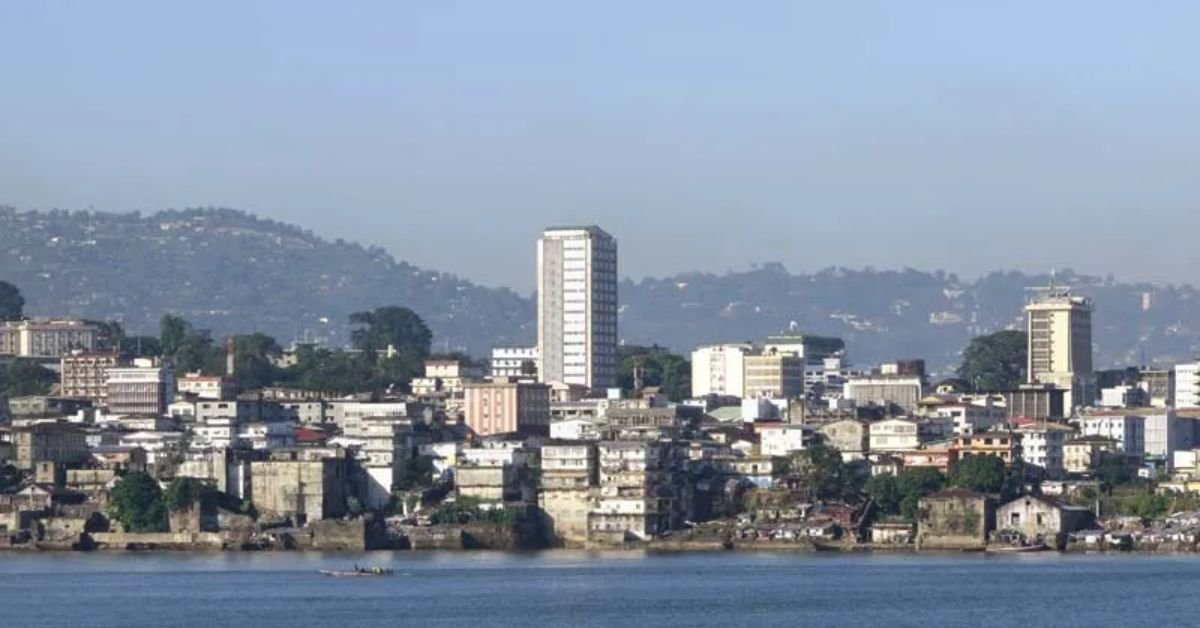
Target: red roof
308	435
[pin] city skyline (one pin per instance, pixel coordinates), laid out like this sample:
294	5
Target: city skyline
816	136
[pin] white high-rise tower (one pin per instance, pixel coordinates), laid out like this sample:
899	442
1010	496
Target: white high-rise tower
1060	343
577	307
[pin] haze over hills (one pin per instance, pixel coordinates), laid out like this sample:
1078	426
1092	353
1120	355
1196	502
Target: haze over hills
233	272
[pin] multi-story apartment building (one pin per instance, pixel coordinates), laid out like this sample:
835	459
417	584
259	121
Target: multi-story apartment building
1187	385
506	406
446	377
146	387
773	375
1042	446
577	307
570	474
637	498
1060	344
58	443
86	375
903	391
720	370
1129	432
212	387
46	338
514	362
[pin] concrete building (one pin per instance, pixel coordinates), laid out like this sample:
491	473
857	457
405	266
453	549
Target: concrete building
56	443
955	519
210	387
570	475
447	378
773	376
301	484
894	435
902	391
85	375
144	388
577	307
968	416
1082	453
1159	386
720	370
1042	446
851	437
1129	432
784	439
637	498
516	362
504	407
1060	344
811	348
1039	402
1039	519
1003	445
1187	385
46	338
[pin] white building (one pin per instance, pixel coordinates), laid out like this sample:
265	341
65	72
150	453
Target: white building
46	339
577	307
784	440
513	361
144	388
1129	432
720	370
894	435
1187	385
1042	446
576	430
211	387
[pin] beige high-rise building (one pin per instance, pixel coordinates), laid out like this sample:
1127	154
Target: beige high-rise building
577	307
774	376
507	407
1060	344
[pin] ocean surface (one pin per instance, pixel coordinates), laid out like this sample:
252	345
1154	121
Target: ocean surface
625	589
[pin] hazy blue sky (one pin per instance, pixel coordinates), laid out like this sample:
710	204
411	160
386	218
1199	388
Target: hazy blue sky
963	135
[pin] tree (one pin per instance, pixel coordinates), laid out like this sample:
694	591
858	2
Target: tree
996	361
173	332
822	470
1112	470
141	346
984	474
137	502
109	335
416	472
253	365
900	494
391	326
24	377
189	348
659	367
12	304
182	493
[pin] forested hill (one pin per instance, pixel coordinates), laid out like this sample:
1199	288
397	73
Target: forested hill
232	272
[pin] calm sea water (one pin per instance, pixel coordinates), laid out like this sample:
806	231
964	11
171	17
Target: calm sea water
480	590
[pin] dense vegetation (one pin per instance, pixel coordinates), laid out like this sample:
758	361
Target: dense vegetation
995	361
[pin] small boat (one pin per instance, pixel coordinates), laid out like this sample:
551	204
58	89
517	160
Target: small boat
357	572
1016	549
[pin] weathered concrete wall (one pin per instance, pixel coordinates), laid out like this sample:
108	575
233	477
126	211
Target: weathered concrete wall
336	535
158	540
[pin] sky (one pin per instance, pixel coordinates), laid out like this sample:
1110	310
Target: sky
709	136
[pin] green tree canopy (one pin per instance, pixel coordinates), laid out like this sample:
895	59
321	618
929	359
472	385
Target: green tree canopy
137	502
823	472
12	304
190	349
1112	469
109	335
671	372
900	494
995	362
398	327
23	377
985	474
182	493
253	365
